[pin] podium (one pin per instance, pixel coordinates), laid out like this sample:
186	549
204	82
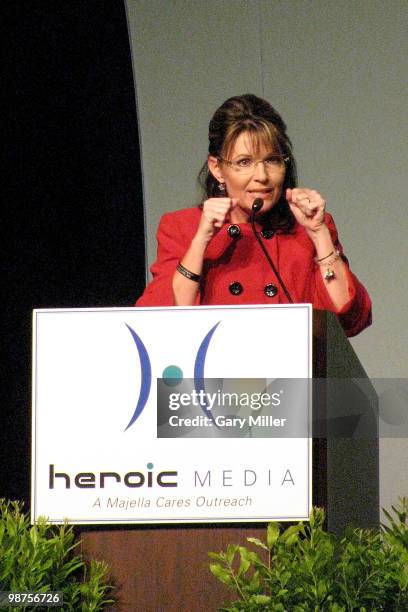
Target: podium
165	567
345	462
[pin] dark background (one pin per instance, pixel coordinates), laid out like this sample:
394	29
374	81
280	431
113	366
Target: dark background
72	226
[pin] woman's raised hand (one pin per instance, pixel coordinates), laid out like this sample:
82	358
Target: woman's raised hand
308	207
216	212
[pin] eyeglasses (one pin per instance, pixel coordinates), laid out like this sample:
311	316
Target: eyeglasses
247	165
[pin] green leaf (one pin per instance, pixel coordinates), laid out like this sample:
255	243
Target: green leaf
216	556
316	518
231	550
244	566
260	599
257	542
221	573
290	535
249	555
272	535
284	578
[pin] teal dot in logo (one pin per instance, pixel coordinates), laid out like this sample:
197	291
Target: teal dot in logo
172	375
149	466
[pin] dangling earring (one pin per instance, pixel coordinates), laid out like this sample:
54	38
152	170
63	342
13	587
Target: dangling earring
221	188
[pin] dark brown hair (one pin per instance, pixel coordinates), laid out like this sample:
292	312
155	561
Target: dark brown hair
248	113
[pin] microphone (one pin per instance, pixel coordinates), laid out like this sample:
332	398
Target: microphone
256	207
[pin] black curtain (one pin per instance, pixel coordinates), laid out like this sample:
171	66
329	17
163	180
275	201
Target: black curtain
72	209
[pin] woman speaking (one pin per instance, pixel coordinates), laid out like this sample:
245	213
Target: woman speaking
257	238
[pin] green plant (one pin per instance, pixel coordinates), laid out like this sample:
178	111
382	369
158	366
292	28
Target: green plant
303	568
42	558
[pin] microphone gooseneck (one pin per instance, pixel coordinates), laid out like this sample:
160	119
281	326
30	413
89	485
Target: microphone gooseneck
256	207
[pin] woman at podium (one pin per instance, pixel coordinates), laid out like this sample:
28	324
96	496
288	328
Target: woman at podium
257	237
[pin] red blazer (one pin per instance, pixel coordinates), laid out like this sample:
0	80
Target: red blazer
240	260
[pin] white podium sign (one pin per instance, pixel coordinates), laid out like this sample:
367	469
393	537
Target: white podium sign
107	449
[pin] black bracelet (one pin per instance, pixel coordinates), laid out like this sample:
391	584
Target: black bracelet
325	257
188	274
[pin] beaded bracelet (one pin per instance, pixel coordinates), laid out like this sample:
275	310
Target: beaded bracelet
190	275
328	261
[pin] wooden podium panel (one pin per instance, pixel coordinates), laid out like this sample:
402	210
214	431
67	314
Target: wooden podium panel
165	569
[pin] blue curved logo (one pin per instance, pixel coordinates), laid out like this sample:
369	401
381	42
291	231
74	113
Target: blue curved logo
199	367
146	371
146	376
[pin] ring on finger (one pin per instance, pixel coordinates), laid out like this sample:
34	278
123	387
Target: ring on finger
304	199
